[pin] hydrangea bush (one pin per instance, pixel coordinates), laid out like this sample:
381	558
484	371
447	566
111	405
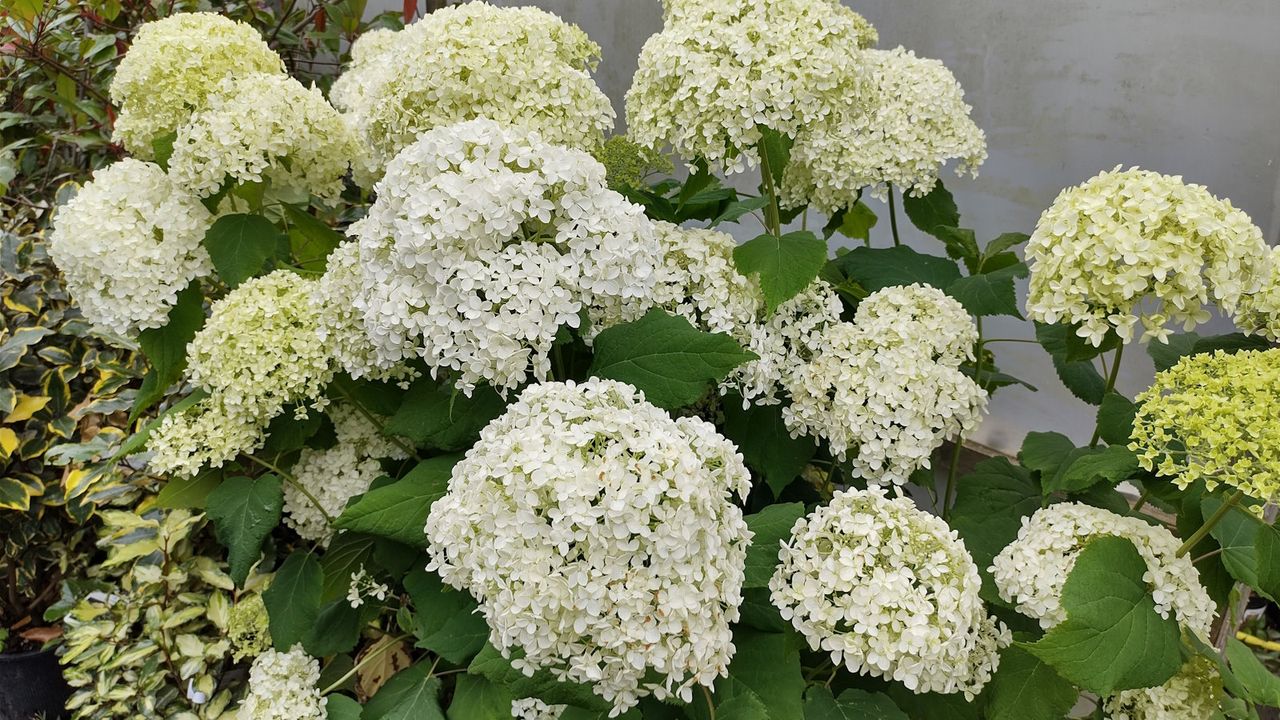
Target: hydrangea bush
492	421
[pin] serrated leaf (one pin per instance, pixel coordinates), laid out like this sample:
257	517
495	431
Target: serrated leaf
877	268
1082	379
857	221
853	704
346	554
1113	639
399	511
666	358
1262	686
411	694
293	599
986	295
1002	243
189	492
239	246
770	527
475	698
490	664
443	418
244	511
776	149
336	629
166	347
766	444
162	149
1026	688
1115	419
961	244
766	668
736	209
341	707
1167	354
310	238
1250	547
1084	467
1044	452
990	503
786	265
446	621
928	212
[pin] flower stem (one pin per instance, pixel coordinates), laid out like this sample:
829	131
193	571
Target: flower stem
772	215
711	705
1111	385
949	495
366	660
294	482
1231	501
893	217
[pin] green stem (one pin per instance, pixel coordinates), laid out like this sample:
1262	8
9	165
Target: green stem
1231	501
949	495
1142	499
893	217
988	341
1111	385
294	482
365	661
772	215
711	706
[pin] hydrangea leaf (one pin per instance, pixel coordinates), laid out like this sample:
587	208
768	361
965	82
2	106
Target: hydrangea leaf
445	619
934	706
1025	688
736	209
341	707
877	268
1044	452
166	348
765	672
293	599
1115	419
1250	548
347	552
336	629
961	244
244	511
1083	468
931	211
857	221
310	238
189	492
1113	639
786	265
399	511
475	698
757	611
542	685
411	694
990	503
1167	354
669	360
853	704
1002	243
1262	686
766	444
239	246
986	295
443	418
769	528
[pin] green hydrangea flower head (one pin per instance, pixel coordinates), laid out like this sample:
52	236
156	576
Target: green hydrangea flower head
248	629
1215	418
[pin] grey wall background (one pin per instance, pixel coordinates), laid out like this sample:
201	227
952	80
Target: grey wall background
1064	89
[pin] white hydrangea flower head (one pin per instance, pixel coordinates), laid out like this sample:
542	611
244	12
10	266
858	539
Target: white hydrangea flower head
601	539
700	282
535	709
172	67
484	241
917	122
342	326
1195	692
258	352
1134	246
1031	570
890	591
265	127
886	390
1259	312
282	686
335	475
128	242
348	89
722	69
518	66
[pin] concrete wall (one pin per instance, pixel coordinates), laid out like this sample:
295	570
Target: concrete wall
1064	89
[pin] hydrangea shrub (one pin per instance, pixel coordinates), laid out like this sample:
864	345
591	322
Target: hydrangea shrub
497	423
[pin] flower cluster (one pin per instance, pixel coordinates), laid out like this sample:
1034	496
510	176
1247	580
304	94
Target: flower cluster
484	241
365	586
700	282
1135	246
1195	692
282	686
1215	417
342	326
917	121
258	352
519	66
535	709
600	538
1032	570
173	66
332	476
889	590
1259	312
249	627
264	127
888	387
721	70
348	89
128	243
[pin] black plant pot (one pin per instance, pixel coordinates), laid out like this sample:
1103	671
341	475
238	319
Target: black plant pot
31	684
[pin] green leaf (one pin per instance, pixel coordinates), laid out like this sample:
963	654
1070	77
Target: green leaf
1082	379
961	244
244	511
776	148
786	265
475	698
1044	452
928	212
990	503
446	619
876	268
189	492
858	221
1113	639
443	418
1086	467
1025	688
986	295
341	707
1167	354
853	704
1250	547
1000	244
346	554
758	612
542	685
166	348
770	527
1115	419
1262	686
934	706
766	444
162	149
669	360
239	246
336	629
310	239
399	511
738	208
766	669
293	599
411	694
